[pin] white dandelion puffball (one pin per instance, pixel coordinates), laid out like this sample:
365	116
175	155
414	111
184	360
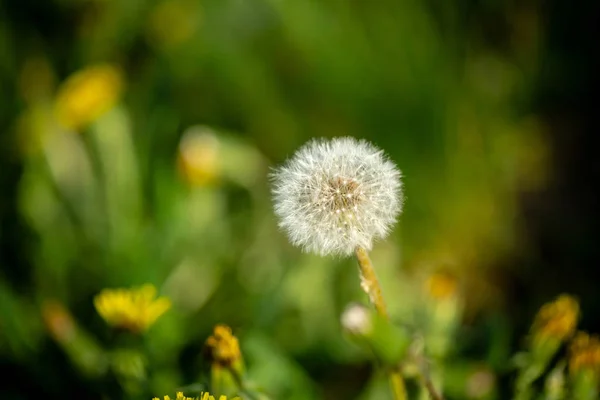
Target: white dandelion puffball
335	195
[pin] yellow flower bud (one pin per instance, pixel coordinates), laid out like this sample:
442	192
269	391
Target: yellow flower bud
223	346
557	320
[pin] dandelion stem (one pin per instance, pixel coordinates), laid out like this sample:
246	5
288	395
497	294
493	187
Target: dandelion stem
397	384
369	282
371	286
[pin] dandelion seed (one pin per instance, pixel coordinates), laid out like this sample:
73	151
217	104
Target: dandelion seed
334	196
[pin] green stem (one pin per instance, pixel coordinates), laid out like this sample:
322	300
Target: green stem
370	285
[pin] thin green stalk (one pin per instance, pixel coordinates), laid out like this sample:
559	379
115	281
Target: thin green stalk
370	285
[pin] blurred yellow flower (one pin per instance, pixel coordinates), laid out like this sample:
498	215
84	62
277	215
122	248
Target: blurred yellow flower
557	319
440	286
223	346
198	158
584	353
132	309
86	95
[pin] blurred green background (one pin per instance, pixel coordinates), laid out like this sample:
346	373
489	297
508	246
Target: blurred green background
136	143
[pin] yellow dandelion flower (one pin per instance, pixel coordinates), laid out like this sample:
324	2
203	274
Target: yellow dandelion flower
132	309
584	353
440	286
224	347
557	319
86	95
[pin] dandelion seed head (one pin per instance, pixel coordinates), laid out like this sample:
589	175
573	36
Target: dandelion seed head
335	195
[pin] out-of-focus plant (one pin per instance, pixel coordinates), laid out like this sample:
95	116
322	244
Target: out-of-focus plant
81	348
227	370
554	324
132	310
389	343
227	367
443	308
584	366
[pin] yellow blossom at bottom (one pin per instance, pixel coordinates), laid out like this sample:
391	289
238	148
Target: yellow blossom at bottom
203	396
132	309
